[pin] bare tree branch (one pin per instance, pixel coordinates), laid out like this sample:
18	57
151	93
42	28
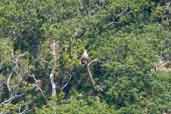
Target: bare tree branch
124	12
53	82
14	70
8	83
11	99
67	82
37	86
90	74
16	58
25	111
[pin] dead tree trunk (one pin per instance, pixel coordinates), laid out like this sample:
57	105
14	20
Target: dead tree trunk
55	51
52	81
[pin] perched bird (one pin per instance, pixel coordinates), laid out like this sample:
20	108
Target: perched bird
84	58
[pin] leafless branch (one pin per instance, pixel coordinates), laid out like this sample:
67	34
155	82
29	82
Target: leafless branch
68	81
124	12
25	111
16	62
92	61
168	5
22	55
8	82
37	86
90	74
12	98
17	57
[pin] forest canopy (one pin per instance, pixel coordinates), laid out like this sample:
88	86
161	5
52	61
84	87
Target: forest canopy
85	57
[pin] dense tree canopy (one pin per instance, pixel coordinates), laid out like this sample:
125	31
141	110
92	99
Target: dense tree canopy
129	64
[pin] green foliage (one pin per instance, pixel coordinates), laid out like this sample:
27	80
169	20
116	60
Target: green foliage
5	50
127	36
78	106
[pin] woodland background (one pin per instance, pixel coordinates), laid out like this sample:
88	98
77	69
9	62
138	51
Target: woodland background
127	37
